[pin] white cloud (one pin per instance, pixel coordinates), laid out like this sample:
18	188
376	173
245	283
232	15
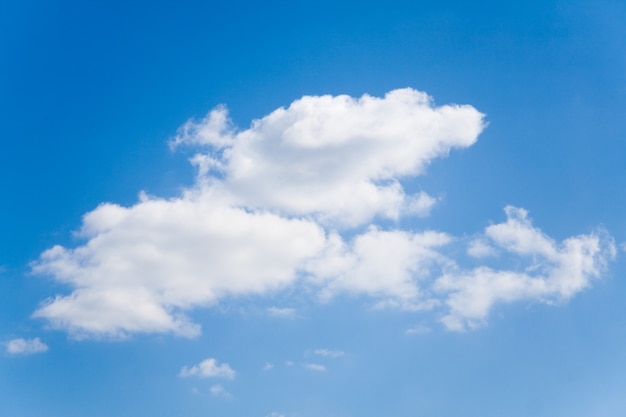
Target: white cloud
479	248
214	130
329	353
551	272
420	204
339	159
208	368
26	346
219	391
294	200
284	312
378	263
144	265
268	366
314	367
275	414
419	329
259	224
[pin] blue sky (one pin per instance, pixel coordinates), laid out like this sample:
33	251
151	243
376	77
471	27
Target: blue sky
290	209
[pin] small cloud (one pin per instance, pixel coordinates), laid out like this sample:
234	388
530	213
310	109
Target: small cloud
406	305
314	367
329	353
420	329
26	346
480	249
219	391
281	312
289	363
208	368
420	204
268	366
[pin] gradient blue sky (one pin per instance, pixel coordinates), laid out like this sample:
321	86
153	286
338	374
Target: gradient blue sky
92	92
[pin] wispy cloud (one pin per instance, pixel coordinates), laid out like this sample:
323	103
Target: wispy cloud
329	353
208	368
420	329
553	271
284	312
314	367
25	346
219	391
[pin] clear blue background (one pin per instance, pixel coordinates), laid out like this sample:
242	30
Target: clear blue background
91	91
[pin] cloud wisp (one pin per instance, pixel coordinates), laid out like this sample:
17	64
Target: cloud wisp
22	346
297	199
316	367
329	353
218	390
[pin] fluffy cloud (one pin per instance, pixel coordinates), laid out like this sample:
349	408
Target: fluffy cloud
384	264
26	346
294	201
145	264
339	159
551	271
208	368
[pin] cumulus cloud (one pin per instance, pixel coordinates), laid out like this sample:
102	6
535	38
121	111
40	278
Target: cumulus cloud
296	201
339	159
208	368
551	271
26	346
378	263
143	265
256	220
